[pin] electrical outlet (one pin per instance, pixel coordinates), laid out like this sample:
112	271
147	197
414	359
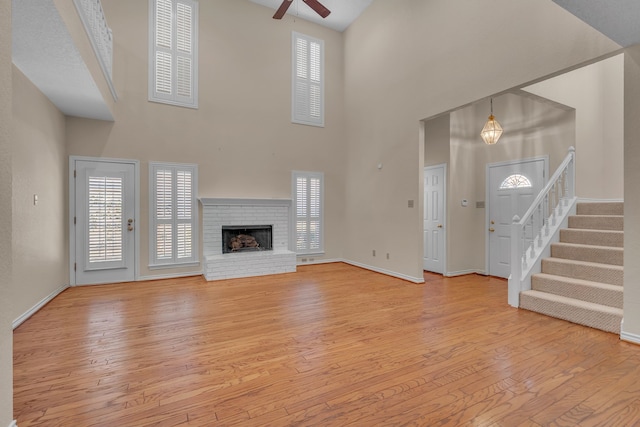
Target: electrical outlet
304	260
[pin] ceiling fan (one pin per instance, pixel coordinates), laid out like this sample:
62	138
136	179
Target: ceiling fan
313	4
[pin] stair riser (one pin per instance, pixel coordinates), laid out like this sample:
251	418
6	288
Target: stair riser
611	208
602	274
592	237
594	294
597	222
612	256
603	321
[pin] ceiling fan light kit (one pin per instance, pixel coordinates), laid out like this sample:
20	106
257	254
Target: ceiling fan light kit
313	4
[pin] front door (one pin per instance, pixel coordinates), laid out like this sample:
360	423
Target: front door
104	217
434	232
512	189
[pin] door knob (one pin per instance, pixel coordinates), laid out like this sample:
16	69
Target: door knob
130	228
491	229
439	225
492	222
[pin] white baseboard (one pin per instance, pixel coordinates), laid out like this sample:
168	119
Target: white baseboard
586	200
464	273
33	310
14	423
628	336
319	261
387	272
168	276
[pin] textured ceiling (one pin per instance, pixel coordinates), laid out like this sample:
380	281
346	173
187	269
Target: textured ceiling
617	19
343	12
43	50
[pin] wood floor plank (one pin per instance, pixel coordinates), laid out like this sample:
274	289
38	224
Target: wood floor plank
330	345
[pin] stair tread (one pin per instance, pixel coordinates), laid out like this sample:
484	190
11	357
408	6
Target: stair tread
583	245
585	263
574	302
596	230
579	281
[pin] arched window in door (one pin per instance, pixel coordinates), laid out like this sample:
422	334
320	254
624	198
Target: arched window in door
515	181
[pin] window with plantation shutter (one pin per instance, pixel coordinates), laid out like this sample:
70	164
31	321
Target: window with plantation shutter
308	199
173	214
307	80
173	52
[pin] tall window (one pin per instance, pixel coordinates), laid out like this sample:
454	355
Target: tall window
308	202
173	214
173	52
308	80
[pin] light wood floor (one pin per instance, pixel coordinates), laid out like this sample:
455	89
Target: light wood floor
331	345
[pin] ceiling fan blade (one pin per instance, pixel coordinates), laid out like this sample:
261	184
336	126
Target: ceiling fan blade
282	9
318	7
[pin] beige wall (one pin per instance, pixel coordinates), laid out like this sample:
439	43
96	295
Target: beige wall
241	137
437	136
40	165
6	294
408	60
597	94
631	193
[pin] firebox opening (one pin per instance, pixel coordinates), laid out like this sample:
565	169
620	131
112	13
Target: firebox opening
244	238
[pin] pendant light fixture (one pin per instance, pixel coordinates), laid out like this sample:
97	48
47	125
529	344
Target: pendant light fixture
492	130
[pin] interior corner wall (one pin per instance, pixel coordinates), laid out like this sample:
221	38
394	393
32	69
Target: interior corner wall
40	251
406	60
631	194
6	289
596	92
241	136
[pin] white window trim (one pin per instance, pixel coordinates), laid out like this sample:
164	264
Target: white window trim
173	99
297	116
294	193
154	263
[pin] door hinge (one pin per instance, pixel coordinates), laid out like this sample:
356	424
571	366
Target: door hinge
74	220
75	173
75	266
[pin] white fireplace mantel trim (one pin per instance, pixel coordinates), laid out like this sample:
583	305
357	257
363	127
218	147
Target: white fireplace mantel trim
245	202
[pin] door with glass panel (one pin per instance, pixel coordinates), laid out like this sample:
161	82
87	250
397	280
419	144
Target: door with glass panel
104	221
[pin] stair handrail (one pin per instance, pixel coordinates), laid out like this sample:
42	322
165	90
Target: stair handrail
532	234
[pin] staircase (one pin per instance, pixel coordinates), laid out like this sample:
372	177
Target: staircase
582	280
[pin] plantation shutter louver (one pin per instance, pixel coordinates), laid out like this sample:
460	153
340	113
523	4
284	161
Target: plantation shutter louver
308	84
174	214
105	223
173	76
308	197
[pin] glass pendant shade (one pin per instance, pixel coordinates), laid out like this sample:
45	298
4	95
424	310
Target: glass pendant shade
491	131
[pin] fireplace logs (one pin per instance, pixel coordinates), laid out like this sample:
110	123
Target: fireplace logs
242	241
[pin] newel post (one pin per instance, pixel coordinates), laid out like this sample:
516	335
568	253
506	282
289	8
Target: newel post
517	252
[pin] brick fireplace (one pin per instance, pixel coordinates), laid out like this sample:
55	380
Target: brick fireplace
241	214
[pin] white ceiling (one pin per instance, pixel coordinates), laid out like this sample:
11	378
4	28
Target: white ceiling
617	19
343	12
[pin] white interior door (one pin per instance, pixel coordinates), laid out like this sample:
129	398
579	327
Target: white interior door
104	217
434	218
512	189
